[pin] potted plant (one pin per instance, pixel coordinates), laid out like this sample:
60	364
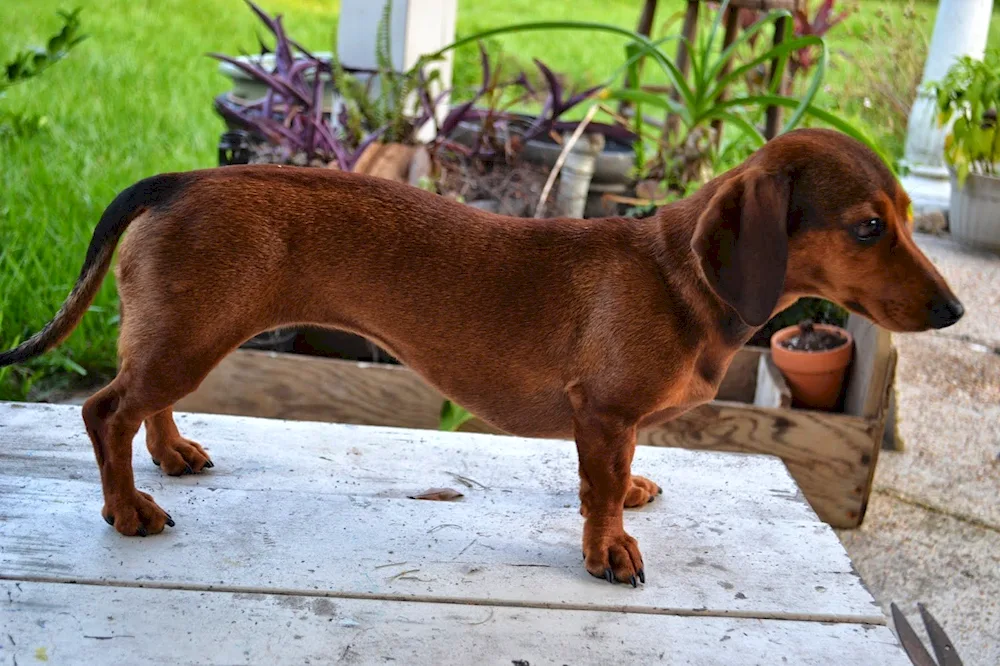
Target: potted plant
375	124
967	101
817	310
813	359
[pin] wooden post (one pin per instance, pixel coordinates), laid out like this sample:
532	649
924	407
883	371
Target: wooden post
689	31
646	18
732	25
645	28
774	112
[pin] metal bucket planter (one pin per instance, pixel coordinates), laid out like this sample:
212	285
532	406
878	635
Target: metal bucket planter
974	214
246	88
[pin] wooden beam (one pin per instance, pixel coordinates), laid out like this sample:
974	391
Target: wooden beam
732	26
774	112
831	456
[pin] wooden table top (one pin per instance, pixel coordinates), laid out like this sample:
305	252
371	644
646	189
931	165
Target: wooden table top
302	546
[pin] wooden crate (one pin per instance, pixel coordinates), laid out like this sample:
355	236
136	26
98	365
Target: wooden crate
832	456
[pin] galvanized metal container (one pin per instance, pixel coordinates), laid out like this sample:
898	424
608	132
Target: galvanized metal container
974	214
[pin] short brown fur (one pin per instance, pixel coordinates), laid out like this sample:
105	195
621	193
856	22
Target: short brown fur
587	329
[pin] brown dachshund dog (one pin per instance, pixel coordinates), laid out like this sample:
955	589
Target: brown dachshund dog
587	329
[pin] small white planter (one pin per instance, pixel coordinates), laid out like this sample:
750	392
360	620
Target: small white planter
974	213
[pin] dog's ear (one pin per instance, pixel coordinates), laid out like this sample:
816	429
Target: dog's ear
741	241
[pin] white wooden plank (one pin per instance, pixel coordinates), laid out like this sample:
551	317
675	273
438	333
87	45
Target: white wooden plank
729	536
101	625
359	460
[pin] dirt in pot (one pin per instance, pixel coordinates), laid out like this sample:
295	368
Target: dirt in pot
810	339
511	189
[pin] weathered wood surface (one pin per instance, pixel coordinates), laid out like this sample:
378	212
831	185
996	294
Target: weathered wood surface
829	455
869	373
191	627
336	497
308	388
772	390
298	513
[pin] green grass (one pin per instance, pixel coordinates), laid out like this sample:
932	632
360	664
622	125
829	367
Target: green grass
135	99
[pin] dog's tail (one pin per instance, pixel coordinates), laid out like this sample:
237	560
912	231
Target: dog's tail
128	205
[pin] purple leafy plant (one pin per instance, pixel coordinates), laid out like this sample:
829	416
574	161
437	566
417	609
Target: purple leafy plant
290	115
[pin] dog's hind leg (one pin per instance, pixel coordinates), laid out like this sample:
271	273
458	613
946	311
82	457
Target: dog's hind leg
641	492
112	417
174	454
159	366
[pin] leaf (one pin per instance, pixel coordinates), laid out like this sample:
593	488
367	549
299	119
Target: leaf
642	97
438	495
453	416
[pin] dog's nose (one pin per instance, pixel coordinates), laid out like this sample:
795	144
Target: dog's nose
946	312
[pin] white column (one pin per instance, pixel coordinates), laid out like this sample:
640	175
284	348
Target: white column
417	27
961	28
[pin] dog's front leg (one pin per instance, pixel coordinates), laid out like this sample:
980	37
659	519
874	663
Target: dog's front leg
606	444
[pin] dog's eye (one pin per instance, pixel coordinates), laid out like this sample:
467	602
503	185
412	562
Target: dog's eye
869	230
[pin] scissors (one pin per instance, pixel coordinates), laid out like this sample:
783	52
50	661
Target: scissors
915	650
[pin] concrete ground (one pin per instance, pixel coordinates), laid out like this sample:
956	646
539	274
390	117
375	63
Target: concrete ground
932	531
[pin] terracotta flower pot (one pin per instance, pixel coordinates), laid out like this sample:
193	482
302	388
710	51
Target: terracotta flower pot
815	378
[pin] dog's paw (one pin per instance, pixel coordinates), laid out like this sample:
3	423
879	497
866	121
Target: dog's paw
180	456
137	515
642	492
615	558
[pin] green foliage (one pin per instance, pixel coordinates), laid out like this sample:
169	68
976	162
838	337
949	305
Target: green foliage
383	100
688	118
881	97
28	64
19	125
453	416
969	96
684	144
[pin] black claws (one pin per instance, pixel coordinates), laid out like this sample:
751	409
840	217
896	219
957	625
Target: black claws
659	491
187	467
170	521
110	520
609	576
651	498
142	531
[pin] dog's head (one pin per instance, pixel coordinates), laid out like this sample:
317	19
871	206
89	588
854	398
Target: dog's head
817	213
